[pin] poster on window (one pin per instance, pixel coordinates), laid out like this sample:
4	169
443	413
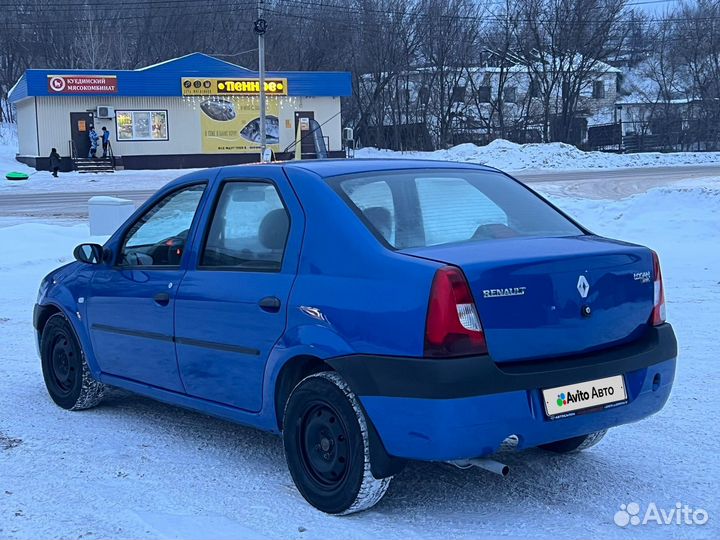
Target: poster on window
232	125
141	125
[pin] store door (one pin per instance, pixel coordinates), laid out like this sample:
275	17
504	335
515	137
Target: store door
302	119
80	124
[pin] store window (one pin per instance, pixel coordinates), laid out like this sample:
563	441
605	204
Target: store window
141	125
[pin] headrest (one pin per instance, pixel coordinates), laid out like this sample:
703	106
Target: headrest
274	229
381	219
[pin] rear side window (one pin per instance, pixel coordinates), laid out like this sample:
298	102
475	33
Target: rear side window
425	208
249	229
375	201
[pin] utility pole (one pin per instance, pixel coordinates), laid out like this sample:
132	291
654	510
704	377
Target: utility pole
260	28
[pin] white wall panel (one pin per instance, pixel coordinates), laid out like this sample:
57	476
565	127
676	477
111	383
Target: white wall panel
27	136
183	123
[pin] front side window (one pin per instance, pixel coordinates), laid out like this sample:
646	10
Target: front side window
158	238
249	229
436	207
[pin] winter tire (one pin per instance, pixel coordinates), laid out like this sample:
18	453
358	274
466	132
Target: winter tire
326	446
575	444
66	373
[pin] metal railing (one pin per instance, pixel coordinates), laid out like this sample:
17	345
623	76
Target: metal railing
111	154
73	152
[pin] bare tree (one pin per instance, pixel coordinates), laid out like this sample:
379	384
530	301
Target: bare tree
449	32
563	42
697	35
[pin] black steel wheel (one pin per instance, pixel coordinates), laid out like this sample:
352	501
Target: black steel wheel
326	446
323	443
67	377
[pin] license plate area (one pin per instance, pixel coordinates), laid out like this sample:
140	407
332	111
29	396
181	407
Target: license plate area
570	399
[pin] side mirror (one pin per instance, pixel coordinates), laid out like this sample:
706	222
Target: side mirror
89	253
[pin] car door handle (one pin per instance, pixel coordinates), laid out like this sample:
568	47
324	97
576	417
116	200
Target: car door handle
270	304
162	299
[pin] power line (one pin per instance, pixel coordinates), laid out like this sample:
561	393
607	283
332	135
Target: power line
121	5
475	18
162	5
104	18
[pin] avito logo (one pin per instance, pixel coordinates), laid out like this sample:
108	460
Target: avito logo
579	396
681	514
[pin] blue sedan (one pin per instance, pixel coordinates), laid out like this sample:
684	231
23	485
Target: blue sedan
370	311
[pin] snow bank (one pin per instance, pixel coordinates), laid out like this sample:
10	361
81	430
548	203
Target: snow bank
510	156
8	149
38	245
682	223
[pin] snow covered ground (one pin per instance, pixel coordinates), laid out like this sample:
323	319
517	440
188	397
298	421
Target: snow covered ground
510	156
134	468
74	181
500	153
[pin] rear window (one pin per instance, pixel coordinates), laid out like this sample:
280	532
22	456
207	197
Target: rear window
427	208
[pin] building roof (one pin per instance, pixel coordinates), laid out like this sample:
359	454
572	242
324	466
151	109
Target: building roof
163	79
598	68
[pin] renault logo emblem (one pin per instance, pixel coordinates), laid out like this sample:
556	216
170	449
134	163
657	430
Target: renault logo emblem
583	286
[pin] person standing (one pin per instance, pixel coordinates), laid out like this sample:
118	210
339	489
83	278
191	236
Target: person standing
93	142
54	162
105	141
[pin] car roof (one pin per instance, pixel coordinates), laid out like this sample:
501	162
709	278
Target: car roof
326	168
338	167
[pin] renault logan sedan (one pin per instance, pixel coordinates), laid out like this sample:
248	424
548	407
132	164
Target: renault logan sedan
371	311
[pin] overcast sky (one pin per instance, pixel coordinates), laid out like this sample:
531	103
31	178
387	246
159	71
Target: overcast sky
652	6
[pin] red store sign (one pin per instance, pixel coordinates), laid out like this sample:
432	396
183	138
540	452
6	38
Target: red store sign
82	84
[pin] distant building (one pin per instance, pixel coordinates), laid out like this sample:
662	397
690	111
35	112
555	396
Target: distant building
192	111
483	103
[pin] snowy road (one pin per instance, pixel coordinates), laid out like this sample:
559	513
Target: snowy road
141	469
613	183
61	205
69	203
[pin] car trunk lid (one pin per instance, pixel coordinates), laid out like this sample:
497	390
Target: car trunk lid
550	297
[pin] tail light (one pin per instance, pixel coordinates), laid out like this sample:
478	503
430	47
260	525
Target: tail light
453	327
658	312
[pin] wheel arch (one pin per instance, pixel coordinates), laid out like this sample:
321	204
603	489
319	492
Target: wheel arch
291	373
302	366
42	315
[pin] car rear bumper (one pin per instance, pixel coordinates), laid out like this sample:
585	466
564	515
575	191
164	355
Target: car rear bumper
434	410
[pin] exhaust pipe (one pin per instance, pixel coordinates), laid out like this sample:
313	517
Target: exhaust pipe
483	463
